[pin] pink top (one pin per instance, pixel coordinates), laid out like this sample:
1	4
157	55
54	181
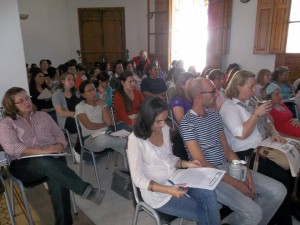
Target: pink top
17	135
282	121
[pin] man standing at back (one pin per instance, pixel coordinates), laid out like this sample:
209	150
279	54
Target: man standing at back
253	201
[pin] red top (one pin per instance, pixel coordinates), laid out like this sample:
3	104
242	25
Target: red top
121	114
136	59
77	82
282	121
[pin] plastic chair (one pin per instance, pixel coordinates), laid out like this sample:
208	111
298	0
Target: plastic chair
85	149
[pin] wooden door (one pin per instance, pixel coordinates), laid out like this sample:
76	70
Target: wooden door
102	35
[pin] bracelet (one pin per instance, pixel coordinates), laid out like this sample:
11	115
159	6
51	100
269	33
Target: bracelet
104	106
150	187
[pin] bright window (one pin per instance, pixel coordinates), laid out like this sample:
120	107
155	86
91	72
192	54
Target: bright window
293	38
189	32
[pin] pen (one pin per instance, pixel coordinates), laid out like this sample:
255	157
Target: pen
171	182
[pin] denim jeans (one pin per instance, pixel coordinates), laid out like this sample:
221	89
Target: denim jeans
269	196
123	126
202	207
60	179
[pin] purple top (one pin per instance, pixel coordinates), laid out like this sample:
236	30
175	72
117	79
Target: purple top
184	103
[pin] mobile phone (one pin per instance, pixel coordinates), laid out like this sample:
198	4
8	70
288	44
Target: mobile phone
183	188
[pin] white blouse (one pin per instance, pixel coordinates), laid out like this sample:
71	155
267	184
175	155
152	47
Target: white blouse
234	116
148	162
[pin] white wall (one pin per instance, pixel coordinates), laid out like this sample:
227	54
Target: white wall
52	31
12	61
242	40
45	32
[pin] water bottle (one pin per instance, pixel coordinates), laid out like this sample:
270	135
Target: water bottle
237	169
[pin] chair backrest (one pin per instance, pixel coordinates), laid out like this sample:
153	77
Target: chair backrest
171	116
79	132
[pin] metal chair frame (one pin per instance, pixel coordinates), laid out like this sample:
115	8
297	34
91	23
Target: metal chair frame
13	181
9	208
67	133
143	206
89	151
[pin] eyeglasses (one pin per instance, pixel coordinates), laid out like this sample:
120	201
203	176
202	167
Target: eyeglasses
90	90
213	91
23	101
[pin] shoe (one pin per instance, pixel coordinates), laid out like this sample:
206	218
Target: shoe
96	195
76	156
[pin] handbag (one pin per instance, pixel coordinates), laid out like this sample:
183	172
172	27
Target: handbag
272	154
121	183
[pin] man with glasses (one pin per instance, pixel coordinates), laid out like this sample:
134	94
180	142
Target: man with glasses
254	200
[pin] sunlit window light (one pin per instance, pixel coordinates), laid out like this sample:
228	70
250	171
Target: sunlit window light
293	43
189	32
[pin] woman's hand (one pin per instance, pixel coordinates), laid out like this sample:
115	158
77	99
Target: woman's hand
277	137
191	164
100	103
56	148
178	190
263	109
249	181
295	122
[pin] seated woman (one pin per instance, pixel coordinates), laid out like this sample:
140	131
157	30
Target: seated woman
280	77
218	78
94	118
104	91
37	86
152	164
181	102
152	85
246	125
263	77
26	132
64	101
280	114
127	102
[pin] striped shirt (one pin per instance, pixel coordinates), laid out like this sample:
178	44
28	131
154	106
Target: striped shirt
17	135
206	131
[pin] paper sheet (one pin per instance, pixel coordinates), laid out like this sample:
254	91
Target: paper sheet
205	178
46	94
42	155
120	133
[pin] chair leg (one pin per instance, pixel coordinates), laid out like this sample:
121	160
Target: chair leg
26	204
12	196
107	160
73	203
70	144
181	221
81	162
11	215
136	214
96	170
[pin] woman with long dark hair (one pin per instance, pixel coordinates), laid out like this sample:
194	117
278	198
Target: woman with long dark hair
127	101
152	164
